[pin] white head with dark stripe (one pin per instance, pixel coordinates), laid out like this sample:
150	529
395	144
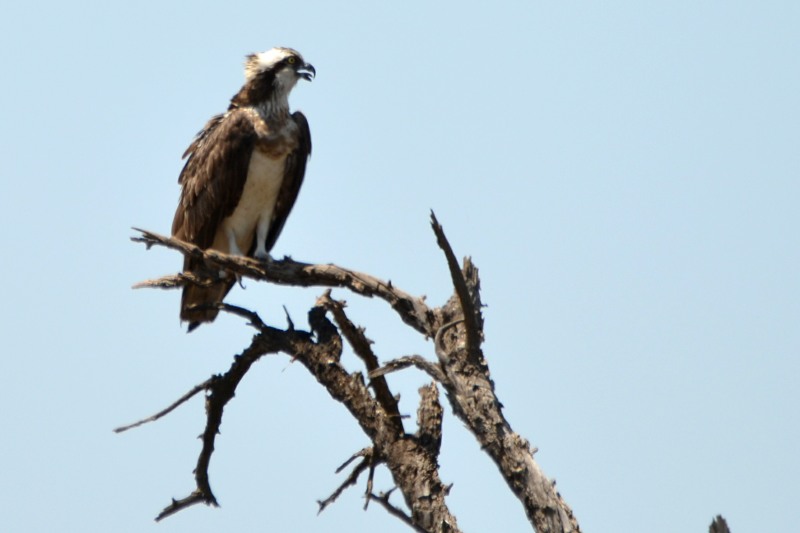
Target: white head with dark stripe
271	75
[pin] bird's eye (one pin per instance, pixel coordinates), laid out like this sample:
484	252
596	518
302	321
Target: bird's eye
291	60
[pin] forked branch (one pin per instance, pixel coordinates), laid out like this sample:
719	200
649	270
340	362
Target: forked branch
456	329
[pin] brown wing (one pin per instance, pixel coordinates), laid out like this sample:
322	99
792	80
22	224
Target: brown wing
211	185
294	171
213	177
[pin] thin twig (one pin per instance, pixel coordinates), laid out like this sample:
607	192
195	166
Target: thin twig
363	452
370	479
383	499
197	388
289	322
352	478
178	505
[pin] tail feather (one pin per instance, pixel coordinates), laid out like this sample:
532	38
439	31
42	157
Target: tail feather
198	304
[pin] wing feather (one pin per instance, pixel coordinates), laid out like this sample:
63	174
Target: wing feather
211	182
213	177
294	171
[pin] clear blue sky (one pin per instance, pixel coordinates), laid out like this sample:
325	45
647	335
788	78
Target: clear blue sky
625	175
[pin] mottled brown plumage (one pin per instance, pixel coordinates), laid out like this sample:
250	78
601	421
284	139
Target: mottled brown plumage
257	139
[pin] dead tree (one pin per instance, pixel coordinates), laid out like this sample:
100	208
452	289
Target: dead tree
460	369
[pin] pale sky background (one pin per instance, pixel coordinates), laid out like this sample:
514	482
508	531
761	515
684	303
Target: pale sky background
624	174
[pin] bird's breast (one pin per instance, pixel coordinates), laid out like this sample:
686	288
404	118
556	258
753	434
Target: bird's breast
257	202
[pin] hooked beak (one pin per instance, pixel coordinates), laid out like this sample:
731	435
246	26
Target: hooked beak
307	72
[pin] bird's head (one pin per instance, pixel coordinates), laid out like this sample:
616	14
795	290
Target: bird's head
279	68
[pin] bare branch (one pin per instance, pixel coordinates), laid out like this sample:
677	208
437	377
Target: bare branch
352	478
470	308
370	481
413	467
411	310
178	505
363	452
470	391
362	347
416	361
251	316
175	281
221	390
197	388
289	323
383	499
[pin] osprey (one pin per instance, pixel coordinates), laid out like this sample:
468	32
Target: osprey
242	175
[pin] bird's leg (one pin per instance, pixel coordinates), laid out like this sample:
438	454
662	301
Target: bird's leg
233	246
261	238
233	249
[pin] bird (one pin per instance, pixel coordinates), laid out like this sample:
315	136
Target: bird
242	175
